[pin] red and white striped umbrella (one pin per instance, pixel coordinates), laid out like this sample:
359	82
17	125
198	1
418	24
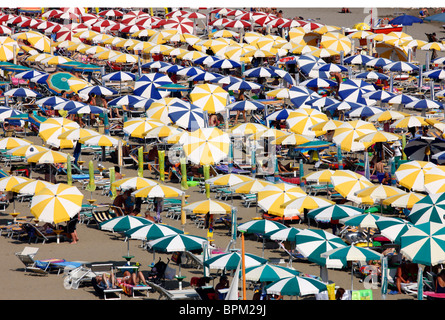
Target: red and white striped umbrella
17	19
111	13
65	35
67	15
56	28
221	11
219	22
238	24
130	21
195	15
309	26
5	30
76	10
52	13
43	25
183	25
276	23
264	19
236	13
31	23
132	29
176	13
292	24
117	27
104	23
147	22
135	13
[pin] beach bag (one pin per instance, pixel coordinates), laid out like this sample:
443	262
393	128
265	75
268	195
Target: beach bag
176	257
169	273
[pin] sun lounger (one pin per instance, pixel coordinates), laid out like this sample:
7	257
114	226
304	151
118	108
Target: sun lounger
187	294
138	291
99	269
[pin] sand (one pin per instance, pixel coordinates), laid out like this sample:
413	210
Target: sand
97	246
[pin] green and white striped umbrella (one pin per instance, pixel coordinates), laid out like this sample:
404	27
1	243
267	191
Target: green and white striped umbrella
352	253
287	234
124	223
393	228
311	243
296	286
230	261
334	212
269	273
262	226
364	220
429	209
424	243
178	242
152	231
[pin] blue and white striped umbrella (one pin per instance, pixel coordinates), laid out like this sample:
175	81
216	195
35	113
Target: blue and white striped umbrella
190	71
29	74
155	65
69	105
400	99
41	78
88	109
206	60
246	105
260	72
435	74
401	66
127	100
224	64
364	111
244	85
285	75
119	76
358	59
148	90
205	76
319	83
171	69
157	78
186	115
6	112
227	80
440	60
424	104
378	62
21	92
332	67
97	90
343	105
353	90
50	101
378	95
372	75
307	62
300	94
282	114
322	102
144	103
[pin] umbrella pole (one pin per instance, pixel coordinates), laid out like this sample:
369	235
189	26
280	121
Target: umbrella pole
243	265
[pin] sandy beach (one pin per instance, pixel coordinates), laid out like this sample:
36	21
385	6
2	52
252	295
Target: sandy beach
97	246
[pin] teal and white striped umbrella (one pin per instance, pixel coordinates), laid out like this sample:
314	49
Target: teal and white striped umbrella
311	243
178	242
230	261
393	228
296	286
269	273
123	223
260	226
364	220
287	234
334	212
429	209
152	231
424	243
352	253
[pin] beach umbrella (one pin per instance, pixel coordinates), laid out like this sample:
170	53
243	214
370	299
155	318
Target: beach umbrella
422	148
88	109
423	244
97	90
378	62
229	179
428	209
52	128
361	59
259	72
404	200
230	261
293	139
319	176
387	115
26	150
158	190
207	146
134	183
262	226
367	220
336	41
7	183
177	243
393	52
208	207
101	140
434	180
411	175
51	101
12	142
148	90
29	74
354	89
209	97
302	119
186	115
77	134
206	76
247	128
286	234
311	243
137	127
56	203
157	109
119	76
435	74
409	122
364	111
333	212
296	286
347	182
379	95
401	66
68	105
268	273
49	156
246	105
372	75
21	92
424	104
379	136
250	186
393	228
299	204
124	223
271	197
151	231
163	132
319	83
346	134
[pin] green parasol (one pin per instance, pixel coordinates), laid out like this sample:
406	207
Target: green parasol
69	176
141	162
91	185
112	173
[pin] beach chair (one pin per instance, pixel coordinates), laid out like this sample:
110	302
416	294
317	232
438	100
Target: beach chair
37	235
107	294
187	294
101	216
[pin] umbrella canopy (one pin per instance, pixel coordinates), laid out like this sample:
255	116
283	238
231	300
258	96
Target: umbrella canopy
354	89
287	234
302	119
379	136
186	115
31	187
230	179
269	273
352	253
158	190
56	203
12	142
367	220
274	195
77	134
209	97
26	151
347	182
379	192
208	206
7	183
100	140
393	228
321	176
336	41
306	202
346	134
296	286
230	261
134	183
434	180
423	148
247	128
124	223
260	226
429	209
311	243
207	146
137	127
411	175
387	115
334	212
179	242
49	156
151	231
404	200
52	128
250	186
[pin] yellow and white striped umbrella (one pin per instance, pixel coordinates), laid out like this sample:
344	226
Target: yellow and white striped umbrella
36	40
57	203
324	53
182	37
379	192
411	175
52	128
134	183
173	52
7	183
322	176
49	156
86	34
410	121
209	97
273	196
207	146
336	41
159	110
300	120
159	36
141	46
397	38
270	133
248	128
347	182
157	48
362	34
158	191
208	206
387	115
55	60
435	180
38	57
138	126
12	142
388	51
31	187
300	36
78	133
306	202
303	49
223	33
77	84
404	200
163	131
252	186
26	150
101	140
177	138
127	43
144	33
249	37
7	48
433	46
325	29
124	58
325	126
93	50
415	43
229	179
379	136
66	43
346	135
191	39
293	139
99	38
260	53
191	55
236	51
107	54
78	47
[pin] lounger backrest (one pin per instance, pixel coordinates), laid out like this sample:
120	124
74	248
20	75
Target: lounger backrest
30	251
101	268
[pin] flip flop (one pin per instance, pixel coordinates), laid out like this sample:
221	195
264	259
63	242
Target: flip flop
394	292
